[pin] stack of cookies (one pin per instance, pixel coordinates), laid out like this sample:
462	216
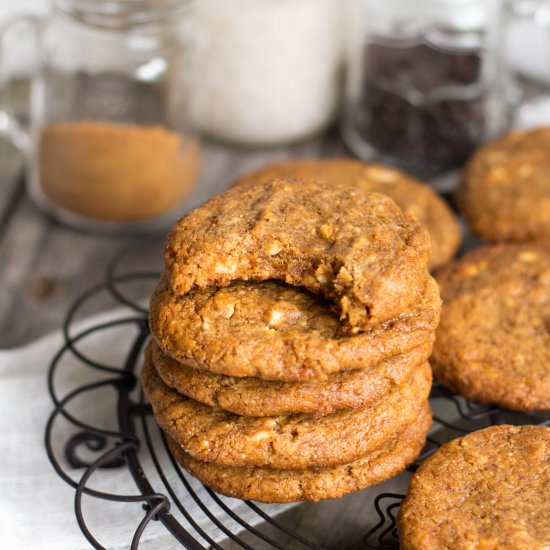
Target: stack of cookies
291	332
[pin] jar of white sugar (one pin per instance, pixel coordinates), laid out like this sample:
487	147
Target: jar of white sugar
266	72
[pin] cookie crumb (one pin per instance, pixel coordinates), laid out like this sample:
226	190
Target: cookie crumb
44	287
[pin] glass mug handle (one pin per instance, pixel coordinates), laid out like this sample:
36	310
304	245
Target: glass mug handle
10	127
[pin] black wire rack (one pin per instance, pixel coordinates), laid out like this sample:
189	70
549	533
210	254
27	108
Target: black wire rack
126	439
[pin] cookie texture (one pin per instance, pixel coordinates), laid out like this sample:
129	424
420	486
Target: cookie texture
489	489
267	485
355	248
279	332
493	342
505	190
411	195
285	442
256	397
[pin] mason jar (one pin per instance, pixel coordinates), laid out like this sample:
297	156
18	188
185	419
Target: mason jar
108	145
269	71
526	46
426	83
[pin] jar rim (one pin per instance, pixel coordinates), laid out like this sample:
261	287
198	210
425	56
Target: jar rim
120	14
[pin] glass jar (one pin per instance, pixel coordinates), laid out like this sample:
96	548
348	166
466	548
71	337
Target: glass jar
526	47
108	142
425	84
270	70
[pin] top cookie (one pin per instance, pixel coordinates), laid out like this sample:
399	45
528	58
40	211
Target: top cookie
487	490
411	195
493	344
355	248
505	191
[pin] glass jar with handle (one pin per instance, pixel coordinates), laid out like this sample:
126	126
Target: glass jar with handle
107	145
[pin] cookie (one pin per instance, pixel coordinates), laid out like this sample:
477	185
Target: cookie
255	397
493	342
286	442
489	489
411	195
357	249
505	190
267	485
279	332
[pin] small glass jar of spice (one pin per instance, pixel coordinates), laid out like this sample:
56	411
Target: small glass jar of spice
425	81
108	143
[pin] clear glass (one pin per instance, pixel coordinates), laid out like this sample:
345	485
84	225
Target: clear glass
110	143
527	49
270	70
426	83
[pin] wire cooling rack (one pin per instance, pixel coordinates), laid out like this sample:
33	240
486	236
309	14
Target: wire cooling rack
126	439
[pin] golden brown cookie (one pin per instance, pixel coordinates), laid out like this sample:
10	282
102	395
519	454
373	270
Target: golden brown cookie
279	332
413	196
256	397
505	190
267	485
487	490
493	342
355	248
286	442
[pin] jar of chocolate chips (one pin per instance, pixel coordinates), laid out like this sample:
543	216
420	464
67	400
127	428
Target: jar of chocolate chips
425	84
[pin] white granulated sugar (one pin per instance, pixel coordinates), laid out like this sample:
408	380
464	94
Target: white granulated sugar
267	71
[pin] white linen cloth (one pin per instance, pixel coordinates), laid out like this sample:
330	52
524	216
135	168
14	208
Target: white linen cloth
36	506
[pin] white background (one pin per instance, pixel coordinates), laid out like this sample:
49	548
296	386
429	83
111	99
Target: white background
9	7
